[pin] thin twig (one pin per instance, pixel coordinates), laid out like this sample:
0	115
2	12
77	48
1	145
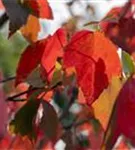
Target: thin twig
8	79
12	98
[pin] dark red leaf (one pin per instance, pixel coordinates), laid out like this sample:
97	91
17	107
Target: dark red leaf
122	120
122	32
49	124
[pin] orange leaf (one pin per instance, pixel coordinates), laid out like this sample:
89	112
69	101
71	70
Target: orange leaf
104	104
31	29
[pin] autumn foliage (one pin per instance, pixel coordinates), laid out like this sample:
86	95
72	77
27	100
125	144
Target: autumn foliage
79	85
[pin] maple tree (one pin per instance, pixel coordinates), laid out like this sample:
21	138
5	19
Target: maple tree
74	86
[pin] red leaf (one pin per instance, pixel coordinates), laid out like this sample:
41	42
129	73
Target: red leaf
122	120
53	50
89	53
45	53
29	60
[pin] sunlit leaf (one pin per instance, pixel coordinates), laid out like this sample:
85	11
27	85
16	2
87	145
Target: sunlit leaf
90	53
31	29
29	60
53	50
104	104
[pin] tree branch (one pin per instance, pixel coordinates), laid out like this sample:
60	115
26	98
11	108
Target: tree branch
8	79
12	98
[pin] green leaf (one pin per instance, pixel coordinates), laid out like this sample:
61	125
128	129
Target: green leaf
127	64
23	121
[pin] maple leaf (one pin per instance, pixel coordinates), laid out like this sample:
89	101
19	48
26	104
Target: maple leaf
53	50
45	53
121	121
89	52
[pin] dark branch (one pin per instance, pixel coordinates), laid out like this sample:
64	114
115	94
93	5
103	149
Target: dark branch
13	98
8	79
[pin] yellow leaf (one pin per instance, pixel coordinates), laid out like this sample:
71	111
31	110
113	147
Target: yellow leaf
104	104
